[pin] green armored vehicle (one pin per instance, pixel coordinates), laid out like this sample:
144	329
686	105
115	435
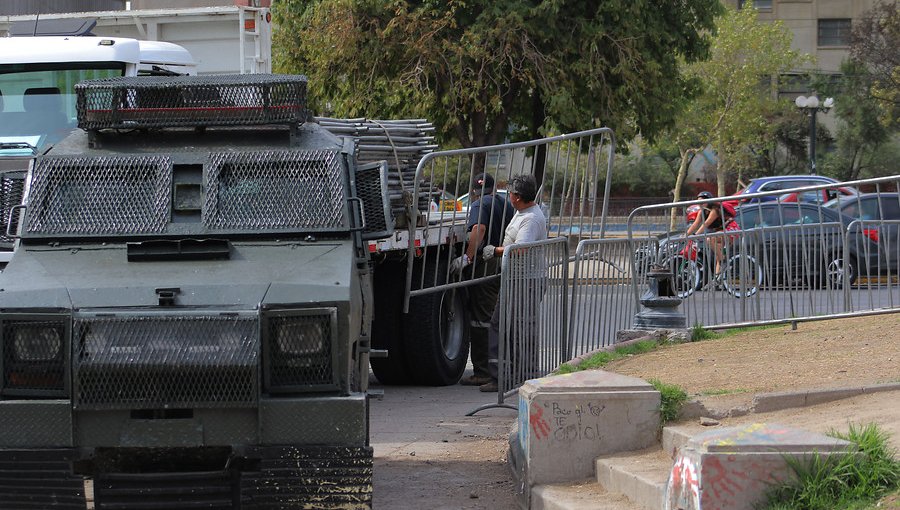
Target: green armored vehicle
186	321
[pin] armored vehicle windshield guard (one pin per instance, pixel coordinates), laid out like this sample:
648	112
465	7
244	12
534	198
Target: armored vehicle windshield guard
186	321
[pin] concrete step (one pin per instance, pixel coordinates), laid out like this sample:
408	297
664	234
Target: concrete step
640	475
583	495
676	436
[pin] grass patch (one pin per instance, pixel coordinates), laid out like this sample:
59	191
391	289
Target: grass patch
712	393
699	333
672	397
599	359
847	481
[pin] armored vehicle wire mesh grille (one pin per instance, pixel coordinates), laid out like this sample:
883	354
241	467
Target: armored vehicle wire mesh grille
371	188
275	190
299	351
11	188
100	195
190	101
167	361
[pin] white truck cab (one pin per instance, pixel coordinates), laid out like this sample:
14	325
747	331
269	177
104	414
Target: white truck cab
37	97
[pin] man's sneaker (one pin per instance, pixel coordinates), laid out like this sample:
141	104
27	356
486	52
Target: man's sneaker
490	387
474	380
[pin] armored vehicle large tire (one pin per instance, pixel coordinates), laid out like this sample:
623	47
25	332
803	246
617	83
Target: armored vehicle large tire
387	332
436	330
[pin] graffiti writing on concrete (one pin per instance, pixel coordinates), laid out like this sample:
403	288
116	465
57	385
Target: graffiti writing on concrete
683	487
569	421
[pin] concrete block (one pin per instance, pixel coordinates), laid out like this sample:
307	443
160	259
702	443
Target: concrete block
641	476
674	437
733	468
567	421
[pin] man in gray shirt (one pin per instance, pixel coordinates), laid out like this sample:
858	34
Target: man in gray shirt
527	225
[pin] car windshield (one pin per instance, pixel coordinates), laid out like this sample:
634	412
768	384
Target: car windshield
37	101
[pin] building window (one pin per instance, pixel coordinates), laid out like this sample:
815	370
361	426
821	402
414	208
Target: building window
834	32
763	5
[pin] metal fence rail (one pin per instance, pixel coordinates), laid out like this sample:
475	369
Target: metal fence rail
570	169
602	298
534	301
790	261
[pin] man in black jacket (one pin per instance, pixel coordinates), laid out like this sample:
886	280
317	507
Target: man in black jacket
488	217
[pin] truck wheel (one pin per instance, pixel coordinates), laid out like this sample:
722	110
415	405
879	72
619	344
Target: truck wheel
437	332
387	332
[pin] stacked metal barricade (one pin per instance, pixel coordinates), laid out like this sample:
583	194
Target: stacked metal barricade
402	143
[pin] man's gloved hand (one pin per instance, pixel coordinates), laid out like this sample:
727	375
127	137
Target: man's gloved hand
487	253
457	264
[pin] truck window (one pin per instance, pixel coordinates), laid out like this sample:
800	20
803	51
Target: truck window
38	100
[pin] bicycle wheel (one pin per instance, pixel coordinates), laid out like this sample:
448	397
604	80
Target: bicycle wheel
743	276
685	276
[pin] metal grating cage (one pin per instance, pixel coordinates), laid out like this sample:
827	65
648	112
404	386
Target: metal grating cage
34	360
275	190
100	195
299	351
191	101
142	362
11	187
371	188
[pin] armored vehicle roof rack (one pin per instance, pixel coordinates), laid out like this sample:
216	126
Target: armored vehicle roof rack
191	101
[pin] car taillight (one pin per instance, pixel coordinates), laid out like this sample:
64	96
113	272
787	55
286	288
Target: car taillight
871	233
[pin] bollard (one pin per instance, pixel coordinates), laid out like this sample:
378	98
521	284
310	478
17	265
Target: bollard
659	306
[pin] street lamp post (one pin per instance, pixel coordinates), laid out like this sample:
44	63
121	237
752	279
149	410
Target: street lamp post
811	104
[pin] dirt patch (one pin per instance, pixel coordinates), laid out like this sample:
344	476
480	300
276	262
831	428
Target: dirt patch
729	371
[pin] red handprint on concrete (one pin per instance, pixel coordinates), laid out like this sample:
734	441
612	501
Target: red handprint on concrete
538	424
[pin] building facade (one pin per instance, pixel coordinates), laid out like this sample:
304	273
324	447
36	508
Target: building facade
821	27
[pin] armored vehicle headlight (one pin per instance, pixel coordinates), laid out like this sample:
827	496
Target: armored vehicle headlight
38	342
302	337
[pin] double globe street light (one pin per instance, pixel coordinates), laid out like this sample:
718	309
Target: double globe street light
811	104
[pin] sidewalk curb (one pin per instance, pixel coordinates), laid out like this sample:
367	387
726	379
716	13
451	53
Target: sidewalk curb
767	402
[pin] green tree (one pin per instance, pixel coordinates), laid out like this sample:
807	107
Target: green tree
483	70
859	132
875	45
734	104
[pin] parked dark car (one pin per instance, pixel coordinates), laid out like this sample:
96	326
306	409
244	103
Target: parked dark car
879	215
802	244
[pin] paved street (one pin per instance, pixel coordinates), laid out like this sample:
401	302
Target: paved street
428	454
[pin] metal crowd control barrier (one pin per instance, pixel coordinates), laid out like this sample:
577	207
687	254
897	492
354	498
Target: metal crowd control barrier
534	298
569	170
791	261
602	299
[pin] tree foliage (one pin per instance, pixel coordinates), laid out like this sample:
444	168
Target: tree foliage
860	135
734	104
867	97
875	45
483	70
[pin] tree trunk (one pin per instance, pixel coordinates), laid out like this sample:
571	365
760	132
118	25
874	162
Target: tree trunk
687	155
538	115
721	172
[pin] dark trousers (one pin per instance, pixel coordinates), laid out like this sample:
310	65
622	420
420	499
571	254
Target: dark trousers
482	301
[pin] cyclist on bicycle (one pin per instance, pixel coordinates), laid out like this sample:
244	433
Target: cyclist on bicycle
715	218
